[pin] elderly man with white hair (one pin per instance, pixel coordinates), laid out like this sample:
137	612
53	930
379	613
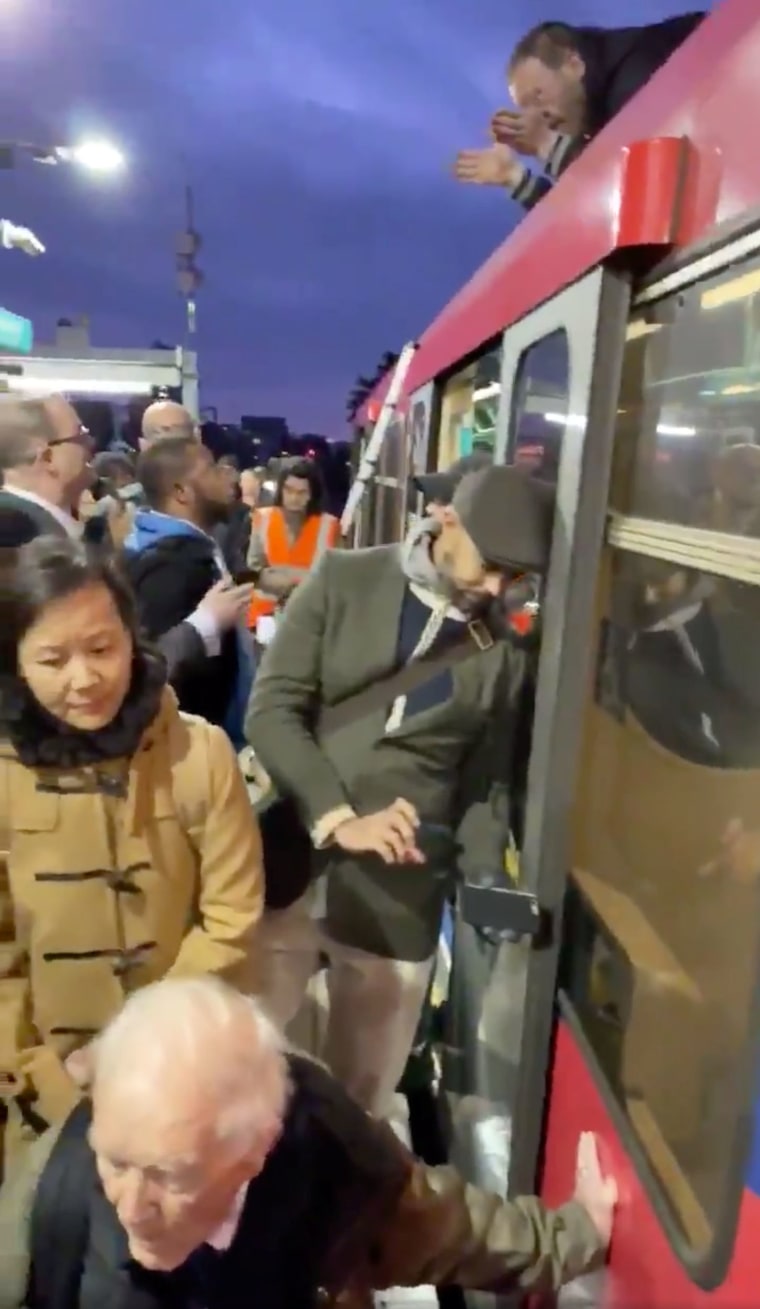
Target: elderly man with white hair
213	1170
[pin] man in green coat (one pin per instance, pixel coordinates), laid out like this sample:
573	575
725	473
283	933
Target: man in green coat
401	801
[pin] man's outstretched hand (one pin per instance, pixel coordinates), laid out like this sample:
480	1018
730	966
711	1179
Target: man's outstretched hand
495	165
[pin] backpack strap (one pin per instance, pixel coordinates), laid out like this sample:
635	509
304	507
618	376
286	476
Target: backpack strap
60	1220
474	637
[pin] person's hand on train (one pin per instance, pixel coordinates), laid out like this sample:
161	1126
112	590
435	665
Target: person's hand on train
391	834
596	1193
496	165
226	604
526	133
738	859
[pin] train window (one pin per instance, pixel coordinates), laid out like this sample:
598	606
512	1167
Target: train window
392	463
390	519
540	406
469	406
417	437
689	427
664	915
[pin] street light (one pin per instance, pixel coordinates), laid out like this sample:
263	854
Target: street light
96	156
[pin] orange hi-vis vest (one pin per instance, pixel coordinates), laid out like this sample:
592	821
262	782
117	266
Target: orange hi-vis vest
320	532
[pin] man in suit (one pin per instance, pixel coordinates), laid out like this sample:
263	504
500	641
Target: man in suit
400	801
45	455
213	1168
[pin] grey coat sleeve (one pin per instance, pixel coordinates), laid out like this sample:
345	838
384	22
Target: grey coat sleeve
16	1204
288	686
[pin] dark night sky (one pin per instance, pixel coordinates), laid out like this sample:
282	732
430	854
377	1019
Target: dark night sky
318	134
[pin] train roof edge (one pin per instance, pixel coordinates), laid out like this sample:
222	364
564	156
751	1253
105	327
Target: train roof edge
694	100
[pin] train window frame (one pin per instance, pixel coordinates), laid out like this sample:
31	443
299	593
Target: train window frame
519	408
738	558
439	457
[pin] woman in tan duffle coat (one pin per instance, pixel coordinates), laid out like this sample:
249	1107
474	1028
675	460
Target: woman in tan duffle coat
130	849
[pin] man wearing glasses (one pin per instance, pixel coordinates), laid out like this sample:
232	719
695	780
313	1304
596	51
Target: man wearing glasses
45	465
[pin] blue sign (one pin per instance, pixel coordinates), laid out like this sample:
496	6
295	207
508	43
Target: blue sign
16	333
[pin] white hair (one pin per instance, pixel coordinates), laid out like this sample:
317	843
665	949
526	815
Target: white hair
200	1033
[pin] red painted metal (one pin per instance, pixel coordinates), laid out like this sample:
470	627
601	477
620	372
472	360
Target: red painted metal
651	186
643	1271
631	187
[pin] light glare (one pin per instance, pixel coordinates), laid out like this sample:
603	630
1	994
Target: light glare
98	157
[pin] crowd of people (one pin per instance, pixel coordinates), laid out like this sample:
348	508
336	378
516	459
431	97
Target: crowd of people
235	755
161	915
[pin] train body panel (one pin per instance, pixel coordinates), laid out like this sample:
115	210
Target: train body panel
644	1272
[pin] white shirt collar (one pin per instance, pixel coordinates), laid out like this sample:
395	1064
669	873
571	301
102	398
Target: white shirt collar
224	1235
70	525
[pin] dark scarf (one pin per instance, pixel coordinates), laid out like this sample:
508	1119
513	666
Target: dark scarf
42	741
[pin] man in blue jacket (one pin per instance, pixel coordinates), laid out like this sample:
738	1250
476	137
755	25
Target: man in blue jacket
173	561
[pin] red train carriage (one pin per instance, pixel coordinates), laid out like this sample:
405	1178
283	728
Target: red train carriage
613	344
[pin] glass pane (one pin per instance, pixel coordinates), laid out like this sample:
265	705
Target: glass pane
377	514
369	514
540	406
469	407
666	866
417	438
391	524
689	420
393	454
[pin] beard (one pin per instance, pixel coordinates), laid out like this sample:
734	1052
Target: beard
470	602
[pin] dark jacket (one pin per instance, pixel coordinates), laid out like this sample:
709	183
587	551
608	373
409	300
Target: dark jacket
22	520
619	62
233	538
339	1206
171	573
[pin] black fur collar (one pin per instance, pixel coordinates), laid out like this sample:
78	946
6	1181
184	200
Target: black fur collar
42	741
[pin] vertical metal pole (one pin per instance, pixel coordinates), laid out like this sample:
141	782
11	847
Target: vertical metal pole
191	316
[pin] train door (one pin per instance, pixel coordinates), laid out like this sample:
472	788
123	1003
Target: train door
658	1004
501	989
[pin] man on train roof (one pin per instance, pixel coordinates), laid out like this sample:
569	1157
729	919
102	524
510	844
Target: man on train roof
212	1167
567	83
